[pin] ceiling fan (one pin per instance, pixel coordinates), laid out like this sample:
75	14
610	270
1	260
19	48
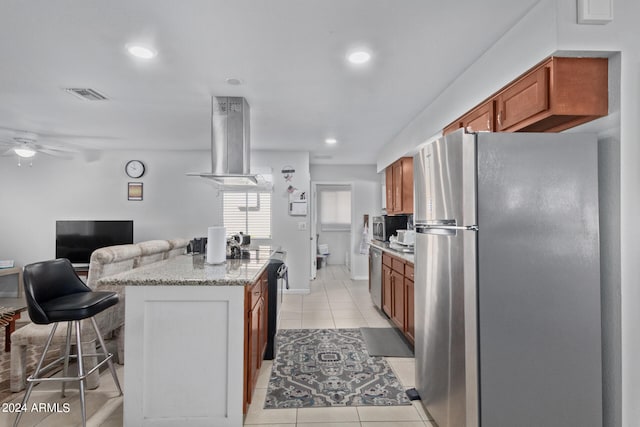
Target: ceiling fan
27	144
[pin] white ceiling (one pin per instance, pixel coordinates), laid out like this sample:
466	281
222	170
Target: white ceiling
290	55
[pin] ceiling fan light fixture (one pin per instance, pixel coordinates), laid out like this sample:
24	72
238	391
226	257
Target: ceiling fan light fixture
25	152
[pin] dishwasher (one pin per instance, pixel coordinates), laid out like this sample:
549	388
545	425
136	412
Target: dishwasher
375	275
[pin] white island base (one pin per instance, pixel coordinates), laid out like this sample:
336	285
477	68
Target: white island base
184	349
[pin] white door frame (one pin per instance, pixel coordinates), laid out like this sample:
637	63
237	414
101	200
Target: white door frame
313	228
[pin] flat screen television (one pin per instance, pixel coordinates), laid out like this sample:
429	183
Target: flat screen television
77	239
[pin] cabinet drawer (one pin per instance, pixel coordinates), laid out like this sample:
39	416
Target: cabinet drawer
386	259
397	265
408	271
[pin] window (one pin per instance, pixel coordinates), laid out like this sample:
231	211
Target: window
335	210
249	212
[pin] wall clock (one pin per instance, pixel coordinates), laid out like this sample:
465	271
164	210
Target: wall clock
134	168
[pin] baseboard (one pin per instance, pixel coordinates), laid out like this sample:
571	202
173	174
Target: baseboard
297	291
360	278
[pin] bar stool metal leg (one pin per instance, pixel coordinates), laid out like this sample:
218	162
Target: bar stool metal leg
67	350
36	374
112	368
76	323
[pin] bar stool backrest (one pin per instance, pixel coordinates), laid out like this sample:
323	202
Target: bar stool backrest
46	280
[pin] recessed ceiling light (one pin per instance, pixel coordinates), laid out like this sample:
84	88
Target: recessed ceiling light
331	141
140	51
234	81
359	57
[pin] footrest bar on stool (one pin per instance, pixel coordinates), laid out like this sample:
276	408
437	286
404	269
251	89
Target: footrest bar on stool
68	379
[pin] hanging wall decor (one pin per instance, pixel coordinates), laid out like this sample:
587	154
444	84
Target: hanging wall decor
134	191
287	172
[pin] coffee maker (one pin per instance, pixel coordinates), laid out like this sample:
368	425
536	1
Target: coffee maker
237	246
198	245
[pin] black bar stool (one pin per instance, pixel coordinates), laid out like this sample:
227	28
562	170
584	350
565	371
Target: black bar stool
54	294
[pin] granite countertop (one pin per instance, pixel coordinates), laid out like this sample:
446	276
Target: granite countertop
410	257
192	270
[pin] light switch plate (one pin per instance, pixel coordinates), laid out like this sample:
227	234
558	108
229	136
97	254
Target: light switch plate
302	226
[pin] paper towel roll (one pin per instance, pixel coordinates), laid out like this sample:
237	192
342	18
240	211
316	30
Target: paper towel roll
216	245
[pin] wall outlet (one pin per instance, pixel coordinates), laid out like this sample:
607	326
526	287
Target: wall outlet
302	226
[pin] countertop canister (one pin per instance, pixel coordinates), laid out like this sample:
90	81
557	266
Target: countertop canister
216	245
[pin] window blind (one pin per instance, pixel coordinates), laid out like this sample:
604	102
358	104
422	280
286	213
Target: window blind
335	209
249	212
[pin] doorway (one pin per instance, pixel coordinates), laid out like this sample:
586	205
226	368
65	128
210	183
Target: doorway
331	225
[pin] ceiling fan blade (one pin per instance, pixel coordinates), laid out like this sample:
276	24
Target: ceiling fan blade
55	153
57	148
8	153
49	135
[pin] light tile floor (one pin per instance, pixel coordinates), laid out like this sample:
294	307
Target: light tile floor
335	301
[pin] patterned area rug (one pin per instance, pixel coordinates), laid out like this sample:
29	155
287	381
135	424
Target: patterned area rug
329	367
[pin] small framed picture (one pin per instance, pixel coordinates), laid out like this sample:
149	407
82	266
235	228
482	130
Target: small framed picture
135	191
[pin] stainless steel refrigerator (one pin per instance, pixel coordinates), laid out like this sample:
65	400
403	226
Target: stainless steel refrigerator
507	280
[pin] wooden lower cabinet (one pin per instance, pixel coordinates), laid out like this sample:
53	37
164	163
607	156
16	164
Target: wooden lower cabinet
397	293
255	342
410	320
387	290
397	307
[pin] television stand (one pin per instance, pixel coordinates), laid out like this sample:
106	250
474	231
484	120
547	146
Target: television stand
82	270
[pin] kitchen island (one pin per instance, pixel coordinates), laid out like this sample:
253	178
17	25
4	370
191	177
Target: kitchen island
188	339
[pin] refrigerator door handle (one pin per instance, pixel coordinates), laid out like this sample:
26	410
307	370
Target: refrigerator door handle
431	229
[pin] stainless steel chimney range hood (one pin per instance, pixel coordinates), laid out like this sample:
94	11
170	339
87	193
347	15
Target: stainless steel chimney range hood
230	143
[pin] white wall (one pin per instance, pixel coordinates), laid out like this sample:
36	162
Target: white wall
550	27
33	198
366	195
284	227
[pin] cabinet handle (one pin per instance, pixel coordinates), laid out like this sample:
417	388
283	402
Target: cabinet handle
488	124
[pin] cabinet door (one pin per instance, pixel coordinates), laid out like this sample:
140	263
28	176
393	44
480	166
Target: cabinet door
264	320
397	186
253	341
407	185
387	290
389	189
397	310
524	99
409	320
452	127
480	119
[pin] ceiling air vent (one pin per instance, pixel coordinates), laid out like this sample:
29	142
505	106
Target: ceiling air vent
87	94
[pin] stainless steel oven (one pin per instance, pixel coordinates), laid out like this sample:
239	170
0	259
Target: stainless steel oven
277	282
375	275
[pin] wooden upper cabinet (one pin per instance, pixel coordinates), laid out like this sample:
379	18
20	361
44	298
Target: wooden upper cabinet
480	119
399	184
452	127
389	188
557	94
523	99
